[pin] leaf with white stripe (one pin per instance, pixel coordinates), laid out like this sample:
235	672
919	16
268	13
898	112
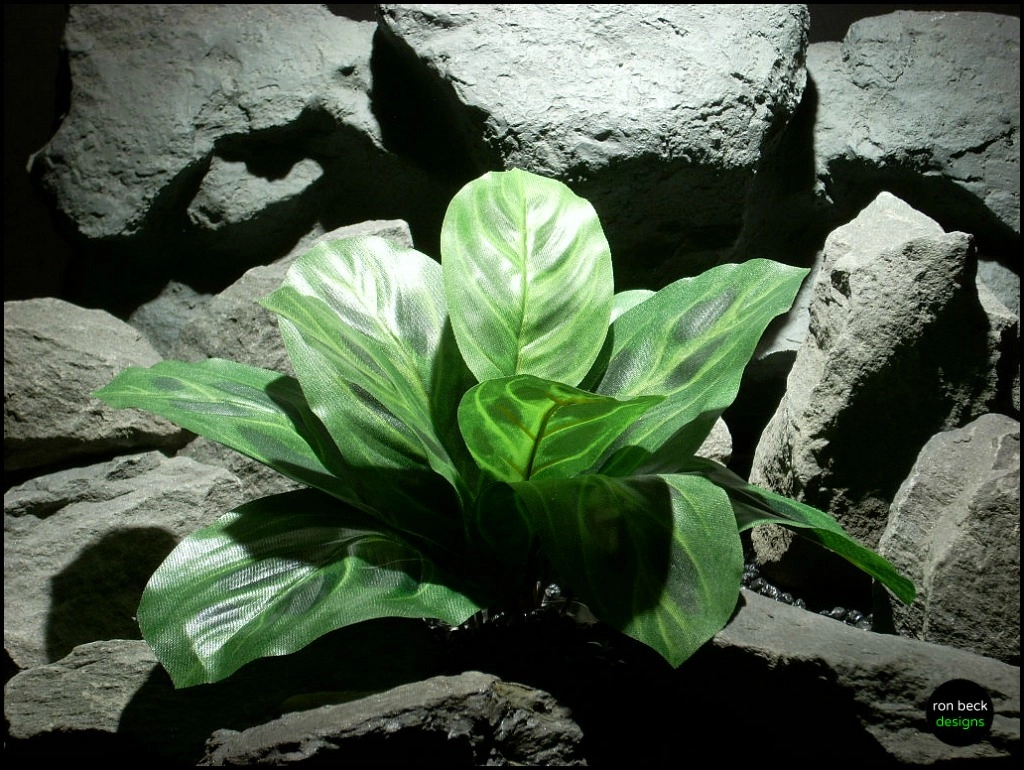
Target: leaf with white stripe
366	328
528	277
690	343
277	573
260	413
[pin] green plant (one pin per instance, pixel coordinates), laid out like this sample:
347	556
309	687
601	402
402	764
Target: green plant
468	429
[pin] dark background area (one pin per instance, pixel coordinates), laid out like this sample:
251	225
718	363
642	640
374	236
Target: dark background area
36	96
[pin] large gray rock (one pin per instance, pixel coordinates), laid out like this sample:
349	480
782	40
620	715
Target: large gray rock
657	114
55	356
926	105
112	698
80	545
954	529
472	718
898	350
203	140
156	89
869	688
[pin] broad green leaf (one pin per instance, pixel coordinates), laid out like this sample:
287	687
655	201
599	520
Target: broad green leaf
627	300
690	342
366	328
260	413
657	557
528	277
520	428
275	574
753	506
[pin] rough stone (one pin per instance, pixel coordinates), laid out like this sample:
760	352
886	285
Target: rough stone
718	445
80	545
220	72
162	318
230	194
1002	281
898	349
469	719
257	479
112	699
954	529
263	136
665	153
55	356
926	105
869	688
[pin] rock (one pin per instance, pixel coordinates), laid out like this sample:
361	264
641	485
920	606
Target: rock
230	194
162	318
235	326
221	73
927	106
718	445
86	691
469	719
81	544
665	153
954	529
1003	282
263	136
55	356
898	349
1004	346
113	699
257	479
863	691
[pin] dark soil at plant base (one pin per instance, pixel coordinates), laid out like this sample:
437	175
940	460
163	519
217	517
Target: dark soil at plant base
633	707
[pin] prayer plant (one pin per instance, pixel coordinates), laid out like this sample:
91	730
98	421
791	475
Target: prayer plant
471	429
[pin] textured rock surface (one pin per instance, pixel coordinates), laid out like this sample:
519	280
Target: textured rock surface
658	114
112	698
926	105
954	530
220	72
80	545
263	136
472	718
877	685
898	349
55	356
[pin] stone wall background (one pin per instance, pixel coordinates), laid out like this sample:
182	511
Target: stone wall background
889	396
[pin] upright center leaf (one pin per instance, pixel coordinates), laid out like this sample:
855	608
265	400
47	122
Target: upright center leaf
527	277
521	428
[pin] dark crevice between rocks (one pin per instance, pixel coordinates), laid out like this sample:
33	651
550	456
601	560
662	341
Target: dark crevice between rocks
416	112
